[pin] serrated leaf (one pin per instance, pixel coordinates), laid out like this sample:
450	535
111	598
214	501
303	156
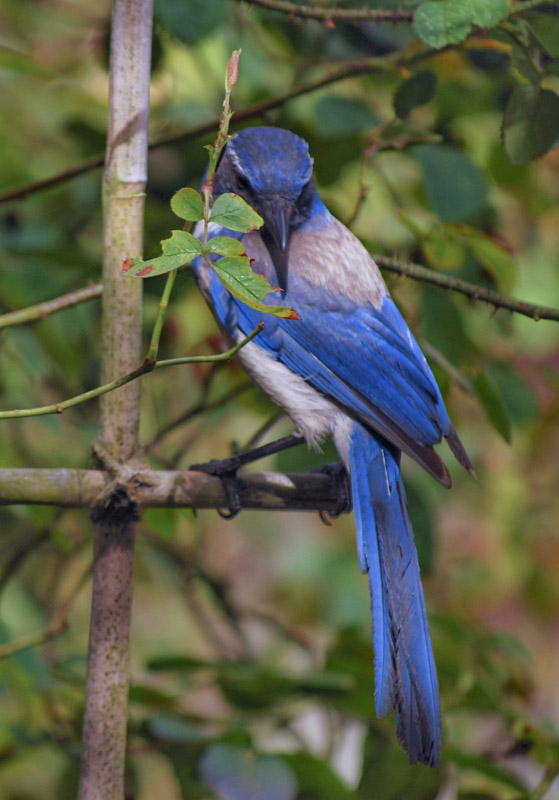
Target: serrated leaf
226	246
487	13
416	91
188	204
492	401
180	249
231	211
444	22
237	276
530	123
181	243
234	773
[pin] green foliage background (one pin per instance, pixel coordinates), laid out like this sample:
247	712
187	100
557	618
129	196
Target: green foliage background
251	644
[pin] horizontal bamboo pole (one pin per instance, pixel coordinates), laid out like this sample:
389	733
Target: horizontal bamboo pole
79	488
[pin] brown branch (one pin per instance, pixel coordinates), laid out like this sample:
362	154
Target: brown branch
42	310
321	14
390	15
75	488
445	281
353	69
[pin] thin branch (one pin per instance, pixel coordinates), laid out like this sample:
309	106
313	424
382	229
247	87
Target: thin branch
42	310
80	488
143	369
389	15
57	625
353	69
323	14
445	281
200	408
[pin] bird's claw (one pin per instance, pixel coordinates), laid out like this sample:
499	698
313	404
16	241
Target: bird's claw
226	471
338	473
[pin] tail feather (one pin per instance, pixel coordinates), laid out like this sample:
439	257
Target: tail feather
405	673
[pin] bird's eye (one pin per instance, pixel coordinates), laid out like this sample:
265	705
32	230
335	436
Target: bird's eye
242	183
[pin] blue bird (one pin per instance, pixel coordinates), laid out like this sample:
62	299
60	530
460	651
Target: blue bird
350	368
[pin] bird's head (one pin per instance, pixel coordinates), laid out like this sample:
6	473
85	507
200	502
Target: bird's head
271	169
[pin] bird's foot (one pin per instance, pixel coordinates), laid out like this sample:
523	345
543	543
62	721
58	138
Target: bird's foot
344	504
227	468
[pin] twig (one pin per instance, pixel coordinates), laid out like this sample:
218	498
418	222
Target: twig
444	281
389	15
57	625
323	14
200	408
42	310
353	69
143	369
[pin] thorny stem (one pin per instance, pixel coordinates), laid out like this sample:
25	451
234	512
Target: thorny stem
445	281
389	15
147	366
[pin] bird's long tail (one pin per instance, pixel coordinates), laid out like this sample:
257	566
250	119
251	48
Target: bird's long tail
405	673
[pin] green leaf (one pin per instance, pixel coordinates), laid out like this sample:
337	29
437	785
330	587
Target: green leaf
231	211
180	249
492	401
456	188
496	261
226	246
442	250
487	768
416	91
237	774
530	123
317	779
342	116
16	61
172	728
237	276
190	20
487	13
188	204
444	22
492	256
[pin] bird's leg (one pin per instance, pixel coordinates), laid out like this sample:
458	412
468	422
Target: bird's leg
226	469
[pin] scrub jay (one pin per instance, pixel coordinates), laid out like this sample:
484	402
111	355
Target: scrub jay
349	367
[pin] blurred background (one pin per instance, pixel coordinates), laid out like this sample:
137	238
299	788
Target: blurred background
251	638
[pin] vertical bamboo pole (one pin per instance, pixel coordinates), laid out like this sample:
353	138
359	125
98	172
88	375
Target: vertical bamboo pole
124	179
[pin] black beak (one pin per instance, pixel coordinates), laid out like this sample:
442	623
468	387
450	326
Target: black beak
277	217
